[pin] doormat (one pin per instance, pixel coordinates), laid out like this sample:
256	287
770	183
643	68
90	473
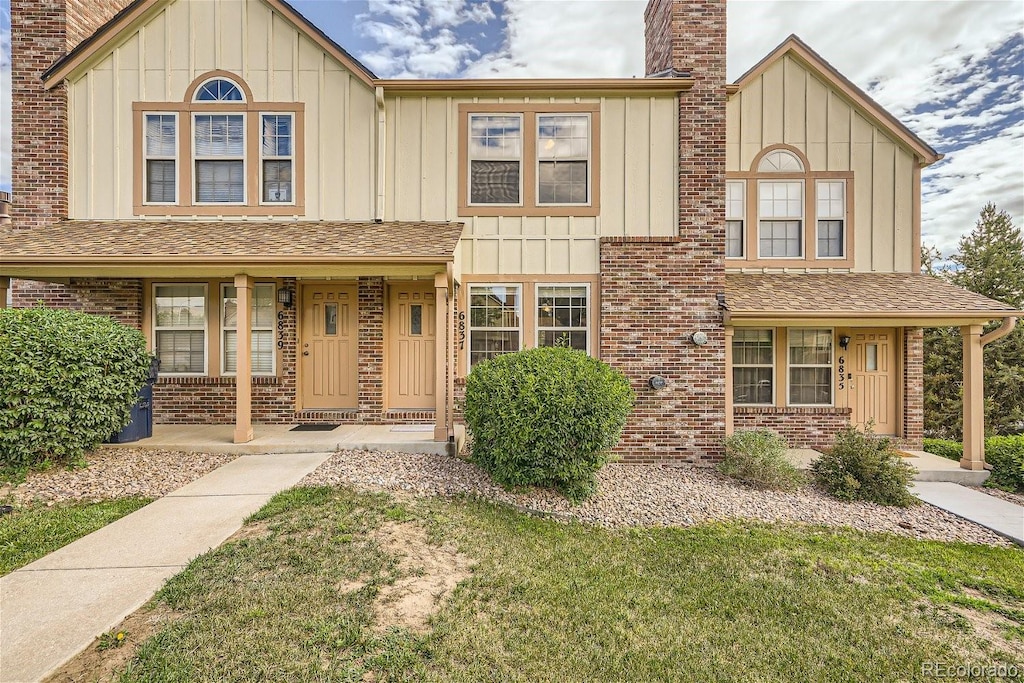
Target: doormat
314	428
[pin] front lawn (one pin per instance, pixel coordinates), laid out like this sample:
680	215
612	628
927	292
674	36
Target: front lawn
327	584
31	531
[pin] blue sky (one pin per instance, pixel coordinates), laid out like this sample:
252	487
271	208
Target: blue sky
952	70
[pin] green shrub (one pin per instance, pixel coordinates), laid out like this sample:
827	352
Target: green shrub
1006	456
945	448
758	458
864	466
546	417
67	382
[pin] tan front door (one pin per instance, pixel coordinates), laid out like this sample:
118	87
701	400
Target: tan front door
872	382
328	344
411	338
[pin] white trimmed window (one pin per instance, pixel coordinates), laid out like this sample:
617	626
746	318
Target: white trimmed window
735	214
753	367
277	158
495	159
562	315
495	321
780	161
160	163
563	159
780	218
831	210
810	367
219	151
179	328
261	312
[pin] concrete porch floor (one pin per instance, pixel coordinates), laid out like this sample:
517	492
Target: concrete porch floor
279	439
929	466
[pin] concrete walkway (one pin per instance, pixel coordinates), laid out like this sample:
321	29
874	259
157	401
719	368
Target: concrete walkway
1002	517
53	608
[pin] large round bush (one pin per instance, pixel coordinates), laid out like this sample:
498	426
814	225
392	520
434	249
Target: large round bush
546	417
67	382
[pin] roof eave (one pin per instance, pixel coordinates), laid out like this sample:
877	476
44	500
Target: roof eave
668	85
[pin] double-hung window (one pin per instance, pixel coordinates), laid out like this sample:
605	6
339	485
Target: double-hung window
735	216
179	327
753	367
494	321
563	158
831	209
277	158
810	367
261	323
161	159
495	158
562	316
780	218
219	158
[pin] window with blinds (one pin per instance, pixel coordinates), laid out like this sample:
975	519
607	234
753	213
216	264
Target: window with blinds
161	159
179	328
261	312
277	158
219	149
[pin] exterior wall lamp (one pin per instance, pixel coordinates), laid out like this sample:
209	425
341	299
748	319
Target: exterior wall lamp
285	297
699	338
844	341
656	382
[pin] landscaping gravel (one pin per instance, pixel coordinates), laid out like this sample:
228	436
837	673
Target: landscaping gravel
644	495
118	473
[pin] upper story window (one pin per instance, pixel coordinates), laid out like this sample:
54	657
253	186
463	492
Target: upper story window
529	159
218	151
784	213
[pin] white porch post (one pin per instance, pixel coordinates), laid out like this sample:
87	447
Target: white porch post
5	285
441	357
973	399
243	371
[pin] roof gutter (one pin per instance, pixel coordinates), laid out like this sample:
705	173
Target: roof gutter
378	216
1009	323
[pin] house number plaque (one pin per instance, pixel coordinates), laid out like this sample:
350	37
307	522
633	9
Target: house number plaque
462	330
842	372
280	329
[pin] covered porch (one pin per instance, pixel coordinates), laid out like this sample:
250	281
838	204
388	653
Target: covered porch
874	358
269	321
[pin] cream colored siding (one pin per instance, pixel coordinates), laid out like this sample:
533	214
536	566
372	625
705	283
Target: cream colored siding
637	184
788	104
181	41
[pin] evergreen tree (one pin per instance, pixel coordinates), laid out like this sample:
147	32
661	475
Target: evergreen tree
989	261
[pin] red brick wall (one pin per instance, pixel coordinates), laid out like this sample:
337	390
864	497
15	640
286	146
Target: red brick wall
371	348
120	299
656	292
913	388
800	427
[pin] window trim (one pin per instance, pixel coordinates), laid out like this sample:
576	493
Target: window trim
194	160
771	364
262	157
528	177
250	109
252	328
810	248
206	325
176	158
589	158
537	329
831	366
520	307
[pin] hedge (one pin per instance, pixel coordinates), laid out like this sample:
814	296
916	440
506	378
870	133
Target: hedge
67	382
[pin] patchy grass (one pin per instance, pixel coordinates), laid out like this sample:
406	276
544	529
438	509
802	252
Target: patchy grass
29	532
302	594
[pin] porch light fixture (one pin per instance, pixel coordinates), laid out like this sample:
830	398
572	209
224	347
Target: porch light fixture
285	297
844	341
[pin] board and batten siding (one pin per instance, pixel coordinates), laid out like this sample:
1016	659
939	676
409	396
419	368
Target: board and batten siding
789	104
182	41
638	181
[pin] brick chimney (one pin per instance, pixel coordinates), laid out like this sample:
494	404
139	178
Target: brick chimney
42	31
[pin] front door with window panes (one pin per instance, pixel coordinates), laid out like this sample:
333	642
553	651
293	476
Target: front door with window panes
412	338
328	347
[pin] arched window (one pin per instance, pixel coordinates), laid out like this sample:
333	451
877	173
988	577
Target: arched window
218	90
780	161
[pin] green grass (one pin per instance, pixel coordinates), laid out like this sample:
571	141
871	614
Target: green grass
28	533
550	601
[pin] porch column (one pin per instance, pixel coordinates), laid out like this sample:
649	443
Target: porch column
974	399
5	286
441	357
728	380
243	371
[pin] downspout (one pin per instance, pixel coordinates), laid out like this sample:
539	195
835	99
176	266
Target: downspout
1000	332
378	215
